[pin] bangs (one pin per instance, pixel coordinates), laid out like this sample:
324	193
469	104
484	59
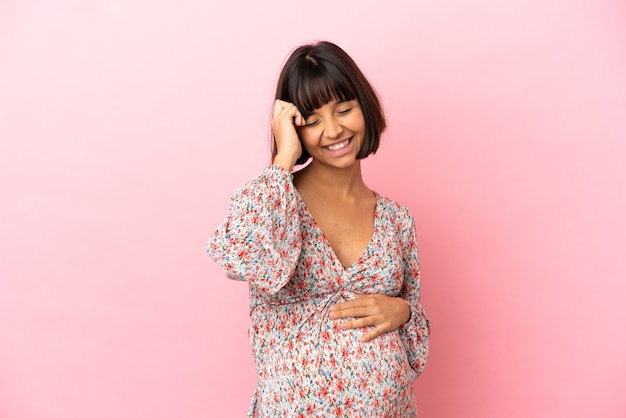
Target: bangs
312	88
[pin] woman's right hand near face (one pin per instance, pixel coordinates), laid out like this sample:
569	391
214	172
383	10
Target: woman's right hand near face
284	121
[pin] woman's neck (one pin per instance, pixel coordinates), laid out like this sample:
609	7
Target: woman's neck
331	181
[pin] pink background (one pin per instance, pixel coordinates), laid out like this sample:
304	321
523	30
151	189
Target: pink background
126	126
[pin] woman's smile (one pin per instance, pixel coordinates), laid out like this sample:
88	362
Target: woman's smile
341	145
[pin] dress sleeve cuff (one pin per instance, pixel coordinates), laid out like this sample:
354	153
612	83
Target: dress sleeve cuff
277	171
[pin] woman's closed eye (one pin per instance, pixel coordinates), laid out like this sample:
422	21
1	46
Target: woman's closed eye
311	122
341	110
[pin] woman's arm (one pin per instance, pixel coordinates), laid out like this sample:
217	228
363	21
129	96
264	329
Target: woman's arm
260	239
416	331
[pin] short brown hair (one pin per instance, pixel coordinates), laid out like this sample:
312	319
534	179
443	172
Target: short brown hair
315	74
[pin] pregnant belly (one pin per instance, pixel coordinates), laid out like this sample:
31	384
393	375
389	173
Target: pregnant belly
301	353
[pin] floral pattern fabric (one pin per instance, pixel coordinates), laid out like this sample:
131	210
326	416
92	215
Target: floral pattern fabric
307	366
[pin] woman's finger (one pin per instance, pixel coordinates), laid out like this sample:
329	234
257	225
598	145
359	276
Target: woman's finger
361	301
363	306
376	332
355	312
359	323
288	110
378	329
277	108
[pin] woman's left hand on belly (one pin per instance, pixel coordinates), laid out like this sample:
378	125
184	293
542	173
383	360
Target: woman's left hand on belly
384	313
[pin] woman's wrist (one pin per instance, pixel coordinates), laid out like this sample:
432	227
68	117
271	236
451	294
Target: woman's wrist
286	162
407	309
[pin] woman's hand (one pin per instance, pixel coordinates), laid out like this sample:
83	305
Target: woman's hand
284	121
384	312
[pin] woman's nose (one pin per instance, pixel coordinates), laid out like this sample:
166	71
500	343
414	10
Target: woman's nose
333	128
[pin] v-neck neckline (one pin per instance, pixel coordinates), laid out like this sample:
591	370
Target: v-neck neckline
331	250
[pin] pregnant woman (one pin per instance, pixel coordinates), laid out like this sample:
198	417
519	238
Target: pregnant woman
337	325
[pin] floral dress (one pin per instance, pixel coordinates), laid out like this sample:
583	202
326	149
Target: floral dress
307	366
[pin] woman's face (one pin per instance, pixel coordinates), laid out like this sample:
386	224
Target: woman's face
334	133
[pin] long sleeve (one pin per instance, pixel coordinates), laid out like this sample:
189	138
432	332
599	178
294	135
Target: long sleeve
260	239
416	331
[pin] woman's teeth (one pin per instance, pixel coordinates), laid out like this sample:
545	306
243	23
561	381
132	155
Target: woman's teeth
339	145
